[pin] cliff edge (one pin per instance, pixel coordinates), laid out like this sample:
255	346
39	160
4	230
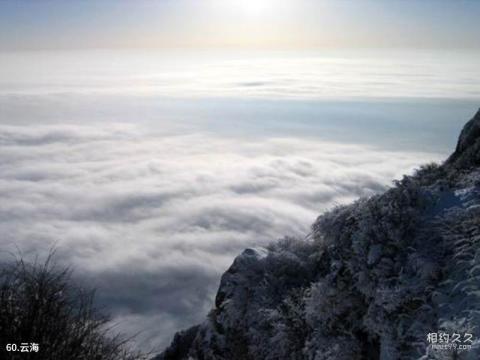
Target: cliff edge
377	279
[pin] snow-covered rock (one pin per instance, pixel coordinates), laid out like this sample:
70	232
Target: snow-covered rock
374	279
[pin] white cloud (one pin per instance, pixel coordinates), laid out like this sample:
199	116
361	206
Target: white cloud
335	74
153	220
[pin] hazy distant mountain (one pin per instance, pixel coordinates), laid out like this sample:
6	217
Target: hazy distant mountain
372	281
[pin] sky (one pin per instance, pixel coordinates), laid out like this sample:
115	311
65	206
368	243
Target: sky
150	155
273	24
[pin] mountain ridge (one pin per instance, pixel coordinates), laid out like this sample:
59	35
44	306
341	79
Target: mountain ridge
371	282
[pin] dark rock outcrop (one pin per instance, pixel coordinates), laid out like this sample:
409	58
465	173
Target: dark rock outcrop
371	282
467	152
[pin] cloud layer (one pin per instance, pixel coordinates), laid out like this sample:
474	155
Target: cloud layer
340	74
153	220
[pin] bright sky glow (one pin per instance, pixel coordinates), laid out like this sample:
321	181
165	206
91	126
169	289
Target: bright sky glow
251	8
279	24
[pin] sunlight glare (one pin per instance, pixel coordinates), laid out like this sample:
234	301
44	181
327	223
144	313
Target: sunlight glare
248	8
256	7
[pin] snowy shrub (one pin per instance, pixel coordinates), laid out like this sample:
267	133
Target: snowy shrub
39	304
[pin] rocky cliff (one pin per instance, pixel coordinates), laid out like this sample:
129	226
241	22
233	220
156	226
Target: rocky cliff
383	278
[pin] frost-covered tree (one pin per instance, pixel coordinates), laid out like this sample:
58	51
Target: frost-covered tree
41	305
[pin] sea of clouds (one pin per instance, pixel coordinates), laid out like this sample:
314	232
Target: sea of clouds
153	212
153	220
365	74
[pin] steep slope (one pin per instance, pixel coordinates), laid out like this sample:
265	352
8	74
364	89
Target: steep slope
371	282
